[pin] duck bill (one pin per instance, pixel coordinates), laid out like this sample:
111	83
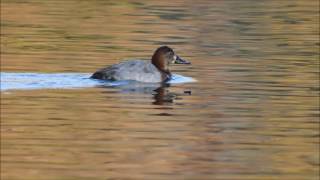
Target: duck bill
181	61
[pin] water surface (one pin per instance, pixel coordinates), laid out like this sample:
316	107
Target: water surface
252	114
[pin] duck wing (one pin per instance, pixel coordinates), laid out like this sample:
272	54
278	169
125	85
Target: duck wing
137	70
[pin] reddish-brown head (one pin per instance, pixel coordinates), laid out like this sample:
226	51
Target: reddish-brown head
161	57
164	56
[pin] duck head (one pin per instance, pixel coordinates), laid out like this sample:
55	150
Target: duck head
163	57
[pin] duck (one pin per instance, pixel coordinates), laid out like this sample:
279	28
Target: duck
154	71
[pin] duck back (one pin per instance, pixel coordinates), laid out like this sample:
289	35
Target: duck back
137	70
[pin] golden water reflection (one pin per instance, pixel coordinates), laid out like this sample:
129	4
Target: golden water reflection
253	114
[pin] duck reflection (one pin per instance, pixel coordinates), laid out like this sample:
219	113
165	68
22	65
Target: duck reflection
162	96
160	91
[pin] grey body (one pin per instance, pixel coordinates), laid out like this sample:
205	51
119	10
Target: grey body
138	70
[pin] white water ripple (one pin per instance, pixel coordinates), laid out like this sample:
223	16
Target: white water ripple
30	81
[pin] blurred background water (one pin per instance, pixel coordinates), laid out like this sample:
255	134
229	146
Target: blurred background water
252	114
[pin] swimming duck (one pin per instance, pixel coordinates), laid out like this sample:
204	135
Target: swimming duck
144	71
